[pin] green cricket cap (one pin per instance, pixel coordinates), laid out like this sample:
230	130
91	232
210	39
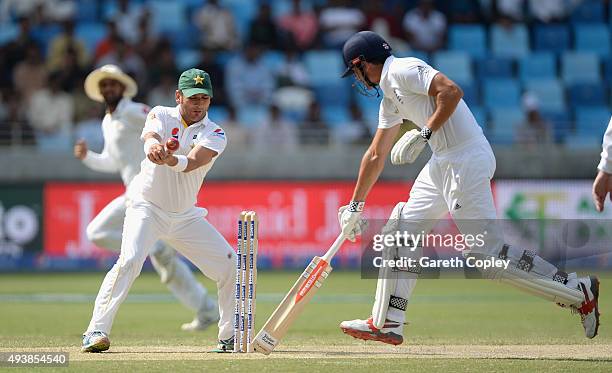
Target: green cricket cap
194	81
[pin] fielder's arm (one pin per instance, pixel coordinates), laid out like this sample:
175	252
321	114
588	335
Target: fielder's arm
198	156
447	95
373	161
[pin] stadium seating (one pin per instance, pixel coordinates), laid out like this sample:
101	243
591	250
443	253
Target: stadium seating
471	94
168	16
501	93
551	38
592	121
455	65
513	43
494	67
580	67
592	38
541	65
587	94
468	38
504	125
90	33
550	93
588	11
561	124
335	115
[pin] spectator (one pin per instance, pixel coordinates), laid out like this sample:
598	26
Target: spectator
130	62
549	10
63	42
70	73
301	26
208	62
107	45
50	113
163	64
13	125
217	26
248	80
275	133
14	52
235	131
163	94
513	9
463	11
292	71
425	27
314	130
263	31
535	130
378	18
127	14
30	74
339	22
147	40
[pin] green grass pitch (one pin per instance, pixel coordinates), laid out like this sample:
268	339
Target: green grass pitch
454	324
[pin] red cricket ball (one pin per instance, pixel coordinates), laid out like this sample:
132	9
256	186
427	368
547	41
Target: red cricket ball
172	144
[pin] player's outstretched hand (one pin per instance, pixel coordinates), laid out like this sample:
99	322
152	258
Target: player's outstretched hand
602	186
80	149
157	154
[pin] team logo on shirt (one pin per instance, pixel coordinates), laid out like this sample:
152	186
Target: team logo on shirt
175	132
219	132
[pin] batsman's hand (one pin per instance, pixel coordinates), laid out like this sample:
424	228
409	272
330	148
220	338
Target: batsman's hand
408	148
80	149
351	223
602	186
158	154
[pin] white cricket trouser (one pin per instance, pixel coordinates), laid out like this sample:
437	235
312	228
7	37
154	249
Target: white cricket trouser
458	181
188	232
105	231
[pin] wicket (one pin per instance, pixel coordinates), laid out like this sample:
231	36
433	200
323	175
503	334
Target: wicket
246	282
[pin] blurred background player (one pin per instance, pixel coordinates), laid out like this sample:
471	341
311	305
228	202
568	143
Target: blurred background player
122	153
162	205
457	179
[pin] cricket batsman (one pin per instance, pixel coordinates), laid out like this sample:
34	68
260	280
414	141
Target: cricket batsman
456	179
161	204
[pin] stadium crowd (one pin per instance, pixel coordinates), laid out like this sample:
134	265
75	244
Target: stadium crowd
532	71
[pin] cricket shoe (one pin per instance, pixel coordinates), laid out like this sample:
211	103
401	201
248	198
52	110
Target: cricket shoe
95	341
225	345
391	333
206	317
589	309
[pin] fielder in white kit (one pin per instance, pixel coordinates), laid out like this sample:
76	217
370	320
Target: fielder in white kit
121	129
161	206
456	179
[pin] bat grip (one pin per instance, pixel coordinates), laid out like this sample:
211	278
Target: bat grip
334	248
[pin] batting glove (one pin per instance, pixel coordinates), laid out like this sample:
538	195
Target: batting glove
409	146
351	223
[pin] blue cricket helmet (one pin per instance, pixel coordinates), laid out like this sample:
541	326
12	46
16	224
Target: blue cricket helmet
364	46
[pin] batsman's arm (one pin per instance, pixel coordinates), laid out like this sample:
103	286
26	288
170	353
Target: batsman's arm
373	161
447	95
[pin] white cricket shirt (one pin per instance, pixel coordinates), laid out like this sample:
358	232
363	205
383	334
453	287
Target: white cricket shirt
405	84
160	185
605	164
122	144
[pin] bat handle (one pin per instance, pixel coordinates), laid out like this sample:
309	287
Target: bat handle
334	248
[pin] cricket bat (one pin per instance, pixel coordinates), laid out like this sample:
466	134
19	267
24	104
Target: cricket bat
294	302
